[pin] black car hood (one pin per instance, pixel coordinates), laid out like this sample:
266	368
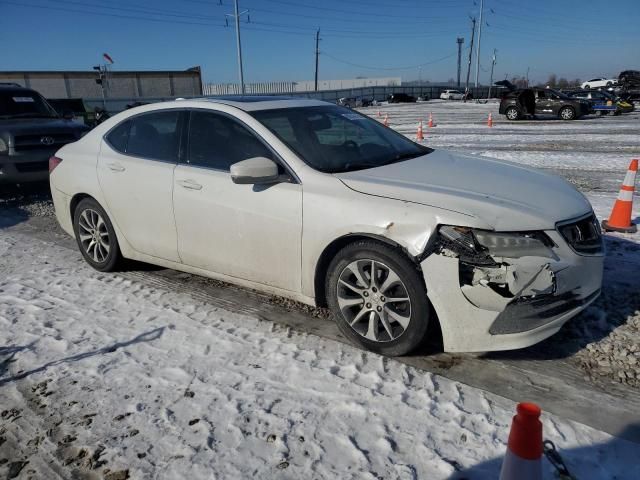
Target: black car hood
26	126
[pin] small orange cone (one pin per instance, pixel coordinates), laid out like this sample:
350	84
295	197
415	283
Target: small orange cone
620	219
523	460
379	114
431	124
386	120
419	134
490	121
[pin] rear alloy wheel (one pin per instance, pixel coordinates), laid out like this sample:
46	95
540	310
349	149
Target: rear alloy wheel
567	113
95	236
512	113
377	298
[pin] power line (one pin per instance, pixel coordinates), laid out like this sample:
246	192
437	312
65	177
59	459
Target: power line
411	67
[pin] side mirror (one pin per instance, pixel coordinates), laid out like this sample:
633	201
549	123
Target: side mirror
68	114
257	170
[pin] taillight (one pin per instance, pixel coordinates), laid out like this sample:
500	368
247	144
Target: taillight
53	163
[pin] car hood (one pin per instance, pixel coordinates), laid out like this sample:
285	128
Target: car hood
26	126
502	194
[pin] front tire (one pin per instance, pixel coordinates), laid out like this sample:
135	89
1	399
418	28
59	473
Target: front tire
95	236
587	87
512	113
567	113
377	298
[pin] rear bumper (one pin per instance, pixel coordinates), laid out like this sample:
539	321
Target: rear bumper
468	326
28	167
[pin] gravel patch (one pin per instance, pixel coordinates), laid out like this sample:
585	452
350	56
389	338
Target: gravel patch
34	200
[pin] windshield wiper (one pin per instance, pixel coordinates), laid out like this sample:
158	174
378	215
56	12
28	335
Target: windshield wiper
405	156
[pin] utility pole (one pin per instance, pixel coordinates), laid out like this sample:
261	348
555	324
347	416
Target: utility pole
473	32
460	41
527	77
317	55
493	64
236	15
479	40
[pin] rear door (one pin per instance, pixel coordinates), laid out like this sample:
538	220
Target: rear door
135	171
544	103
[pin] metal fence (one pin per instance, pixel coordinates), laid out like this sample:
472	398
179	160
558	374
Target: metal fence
376	93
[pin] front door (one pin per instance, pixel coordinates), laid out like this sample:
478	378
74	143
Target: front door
543	103
251	232
135	171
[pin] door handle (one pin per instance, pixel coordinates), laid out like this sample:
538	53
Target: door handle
116	167
190	184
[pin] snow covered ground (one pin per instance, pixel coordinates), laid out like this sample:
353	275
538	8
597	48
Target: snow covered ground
103	377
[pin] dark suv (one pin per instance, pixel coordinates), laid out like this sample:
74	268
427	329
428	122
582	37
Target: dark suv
30	132
520	103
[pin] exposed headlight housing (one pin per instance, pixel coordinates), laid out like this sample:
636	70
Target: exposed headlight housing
498	244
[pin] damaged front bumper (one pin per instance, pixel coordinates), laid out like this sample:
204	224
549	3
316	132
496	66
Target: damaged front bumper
493	303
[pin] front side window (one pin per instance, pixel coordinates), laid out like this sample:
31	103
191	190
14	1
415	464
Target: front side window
334	139
154	135
217	141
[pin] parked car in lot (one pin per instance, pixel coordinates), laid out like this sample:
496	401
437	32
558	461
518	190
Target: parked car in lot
599	83
598	97
527	102
30	132
400	98
452	95
355	102
318	203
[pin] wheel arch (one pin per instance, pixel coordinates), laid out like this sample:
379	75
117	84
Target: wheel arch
339	243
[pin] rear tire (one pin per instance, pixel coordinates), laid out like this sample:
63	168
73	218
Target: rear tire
567	113
96	236
512	113
387	312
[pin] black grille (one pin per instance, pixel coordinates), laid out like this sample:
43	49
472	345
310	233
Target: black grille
583	235
28	167
42	141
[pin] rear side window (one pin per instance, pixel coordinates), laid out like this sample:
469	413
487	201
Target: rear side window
155	135
118	137
216	141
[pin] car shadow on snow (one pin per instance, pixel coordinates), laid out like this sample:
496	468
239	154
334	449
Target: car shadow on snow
583	462
10	352
10	216
14	197
618	302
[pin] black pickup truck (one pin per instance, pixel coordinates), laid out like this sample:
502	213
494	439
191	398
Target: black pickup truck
30	132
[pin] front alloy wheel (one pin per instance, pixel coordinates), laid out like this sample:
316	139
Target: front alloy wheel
373	300
378	297
567	113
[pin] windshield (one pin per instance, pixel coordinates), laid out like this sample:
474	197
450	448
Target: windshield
24	104
334	139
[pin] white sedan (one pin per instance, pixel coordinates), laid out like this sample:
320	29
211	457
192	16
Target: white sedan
452	95
321	204
599	83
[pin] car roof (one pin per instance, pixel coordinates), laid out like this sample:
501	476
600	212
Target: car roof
250	103
14	87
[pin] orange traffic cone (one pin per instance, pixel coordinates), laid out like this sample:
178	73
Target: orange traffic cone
523	460
490	121
419	134
620	219
386	120
379	114
431	124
